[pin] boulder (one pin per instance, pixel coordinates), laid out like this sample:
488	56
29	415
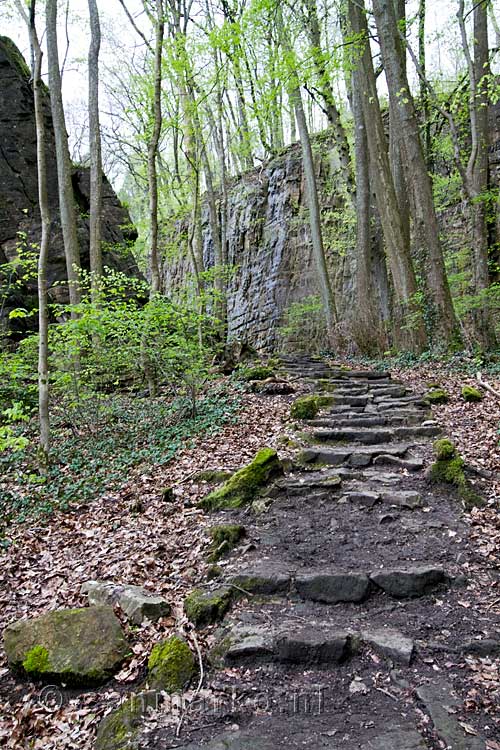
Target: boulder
207	607
137	603
171	665
75	646
120	729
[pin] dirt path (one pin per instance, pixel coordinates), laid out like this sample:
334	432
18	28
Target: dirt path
359	621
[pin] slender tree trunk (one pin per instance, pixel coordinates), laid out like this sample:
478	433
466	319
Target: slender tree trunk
43	202
424	93
477	167
326	91
441	320
154	260
95	152
66	195
400	262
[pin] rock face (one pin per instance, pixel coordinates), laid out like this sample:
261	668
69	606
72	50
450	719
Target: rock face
19	187
269	244
75	646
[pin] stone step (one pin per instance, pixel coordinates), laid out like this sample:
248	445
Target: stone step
355	455
368	496
363	419
415	401
334	587
318	644
375	436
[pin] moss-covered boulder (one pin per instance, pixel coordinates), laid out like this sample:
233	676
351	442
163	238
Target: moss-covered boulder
471	394
449	468
205	608
436	396
76	646
212	476
444	449
260	372
308	407
305	407
245	484
224	539
171	665
119	730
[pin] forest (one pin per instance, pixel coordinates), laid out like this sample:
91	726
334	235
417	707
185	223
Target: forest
250	374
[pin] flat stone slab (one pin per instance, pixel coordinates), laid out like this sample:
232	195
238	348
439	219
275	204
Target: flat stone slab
312	646
398	738
355	455
253	646
332	588
137	603
409	582
233	741
439	700
390	643
388	459
262	580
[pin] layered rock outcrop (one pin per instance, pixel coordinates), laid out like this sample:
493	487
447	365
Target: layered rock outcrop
19	214
268	243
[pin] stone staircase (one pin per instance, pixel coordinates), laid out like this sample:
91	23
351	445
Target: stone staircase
346	619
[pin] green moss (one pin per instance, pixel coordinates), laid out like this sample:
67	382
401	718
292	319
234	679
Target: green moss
171	665
224	539
245	484
437	396
444	449
260	372
433	384
214	572
119	730
218	652
36	661
213	476
450	470
327	386
204	608
471	394
305	407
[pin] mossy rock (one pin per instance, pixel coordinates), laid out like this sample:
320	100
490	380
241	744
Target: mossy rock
444	449
119	730
327	386
205	608
450	469
245	484
305	407
171	665
82	647
224	539
213	476
214	572
433	384
437	396
260	372
471	394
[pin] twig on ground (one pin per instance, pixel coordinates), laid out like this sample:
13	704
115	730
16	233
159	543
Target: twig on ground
487	386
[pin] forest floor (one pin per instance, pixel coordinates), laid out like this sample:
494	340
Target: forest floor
134	536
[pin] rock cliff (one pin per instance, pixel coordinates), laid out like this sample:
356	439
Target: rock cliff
19	215
268	243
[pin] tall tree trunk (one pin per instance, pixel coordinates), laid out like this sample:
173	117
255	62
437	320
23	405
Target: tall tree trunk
424	93
405	287
66	195
441	320
477	167
95	151
326	91
154	261
43	203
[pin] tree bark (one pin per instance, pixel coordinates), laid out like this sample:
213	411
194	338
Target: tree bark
441	321
477	167
64	168
408	333
154	261
43	203
95	152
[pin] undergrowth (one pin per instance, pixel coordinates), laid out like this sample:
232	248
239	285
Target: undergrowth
128	432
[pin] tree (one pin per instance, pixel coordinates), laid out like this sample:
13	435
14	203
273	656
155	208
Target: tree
477	167
441	320
43	202
95	150
408	327
66	196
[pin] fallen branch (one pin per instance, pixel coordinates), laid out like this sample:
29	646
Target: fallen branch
487	386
